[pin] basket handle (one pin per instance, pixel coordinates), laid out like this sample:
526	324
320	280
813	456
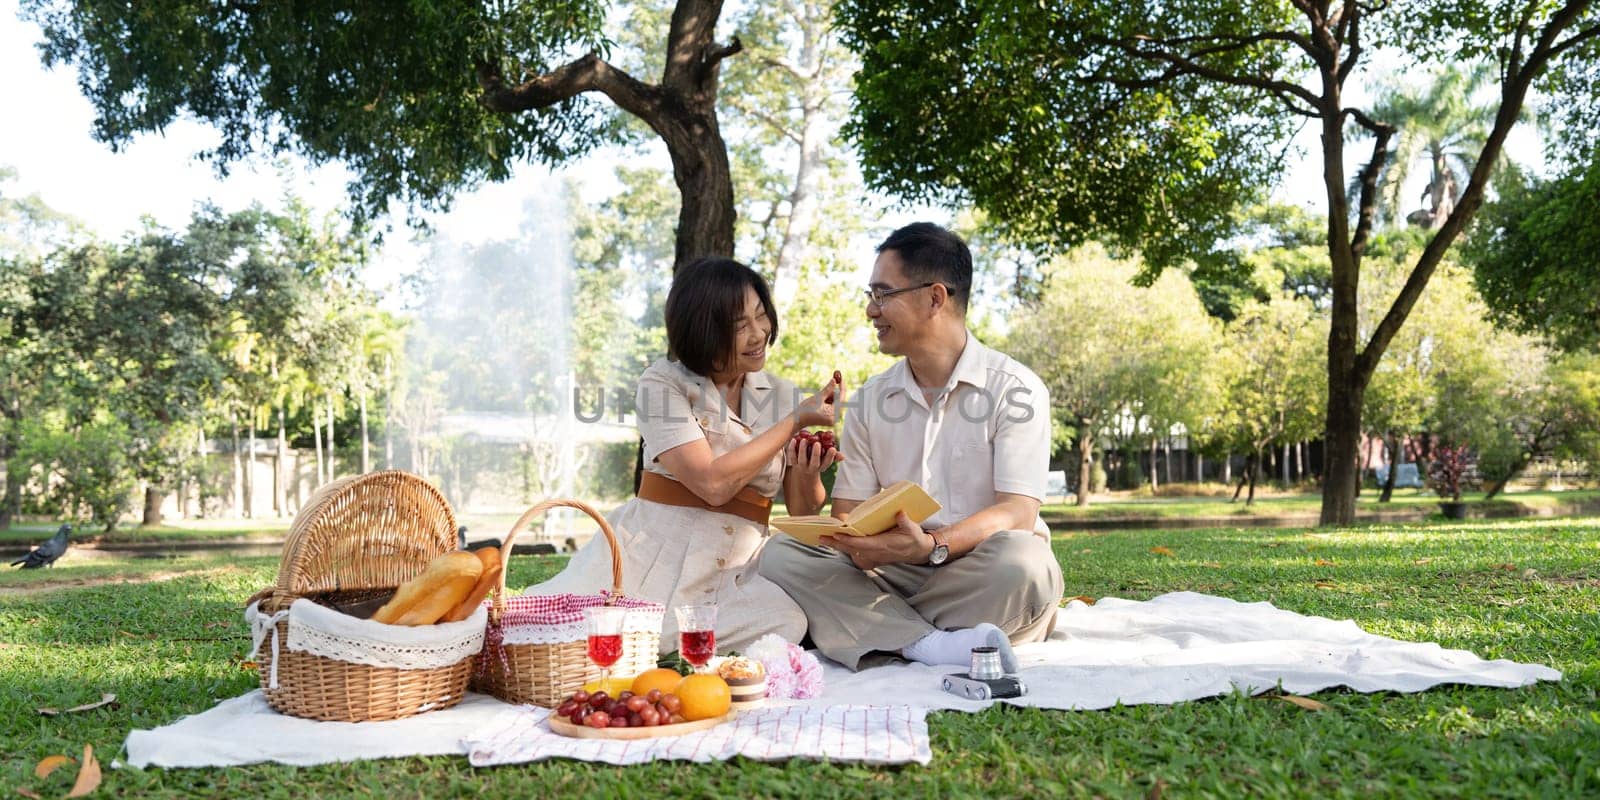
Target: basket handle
506	546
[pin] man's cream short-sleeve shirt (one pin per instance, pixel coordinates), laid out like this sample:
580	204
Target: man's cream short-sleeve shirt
986	431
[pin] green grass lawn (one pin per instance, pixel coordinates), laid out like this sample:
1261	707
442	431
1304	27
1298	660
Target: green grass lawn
1525	589
1122	506
186	530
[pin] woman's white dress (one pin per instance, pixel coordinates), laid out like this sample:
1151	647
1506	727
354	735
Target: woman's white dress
675	555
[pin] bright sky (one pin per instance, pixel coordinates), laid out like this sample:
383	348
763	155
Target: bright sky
47	139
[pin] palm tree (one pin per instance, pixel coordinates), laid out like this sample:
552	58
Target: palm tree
1440	124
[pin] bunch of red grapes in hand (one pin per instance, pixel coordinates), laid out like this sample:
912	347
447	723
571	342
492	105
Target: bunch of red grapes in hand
626	710
824	437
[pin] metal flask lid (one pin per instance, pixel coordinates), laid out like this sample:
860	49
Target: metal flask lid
985	664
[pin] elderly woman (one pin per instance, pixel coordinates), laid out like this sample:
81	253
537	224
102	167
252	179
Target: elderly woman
717	432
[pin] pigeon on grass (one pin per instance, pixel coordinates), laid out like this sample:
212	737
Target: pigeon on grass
46	554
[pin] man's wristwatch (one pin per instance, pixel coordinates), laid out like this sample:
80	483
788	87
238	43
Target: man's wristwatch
941	549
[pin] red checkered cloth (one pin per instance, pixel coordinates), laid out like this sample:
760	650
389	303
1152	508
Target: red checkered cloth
564	609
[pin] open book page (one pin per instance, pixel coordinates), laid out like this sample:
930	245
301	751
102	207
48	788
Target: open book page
874	516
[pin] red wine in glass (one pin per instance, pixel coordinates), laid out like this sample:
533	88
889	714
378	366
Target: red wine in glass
697	646
605	649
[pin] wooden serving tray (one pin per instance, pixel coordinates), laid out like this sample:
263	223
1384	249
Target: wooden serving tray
565	727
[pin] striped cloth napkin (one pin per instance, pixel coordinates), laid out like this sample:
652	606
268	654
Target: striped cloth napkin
860	733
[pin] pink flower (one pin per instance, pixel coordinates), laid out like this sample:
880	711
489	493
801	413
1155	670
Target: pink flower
791	671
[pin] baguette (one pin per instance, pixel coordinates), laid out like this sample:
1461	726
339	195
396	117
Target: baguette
486	583
447	578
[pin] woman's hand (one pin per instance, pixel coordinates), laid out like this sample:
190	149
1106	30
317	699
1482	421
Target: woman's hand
810	457
821	409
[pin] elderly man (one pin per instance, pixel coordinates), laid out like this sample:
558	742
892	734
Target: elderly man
972	427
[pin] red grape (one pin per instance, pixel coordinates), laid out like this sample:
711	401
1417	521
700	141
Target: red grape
654	696
598	719
567	708
624	696
637	703
636	720
671	703
599	700
619	722
650	716
579	715
580	696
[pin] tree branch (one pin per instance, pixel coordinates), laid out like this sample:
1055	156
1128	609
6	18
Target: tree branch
1368	204
587	74
773	122
1353	55
717	53
1575	39
1184	65
1237	40
1513	94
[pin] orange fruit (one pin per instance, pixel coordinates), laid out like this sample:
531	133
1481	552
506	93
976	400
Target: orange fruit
659	678
704	696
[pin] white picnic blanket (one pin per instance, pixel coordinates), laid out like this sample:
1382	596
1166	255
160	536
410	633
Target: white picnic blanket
1179	646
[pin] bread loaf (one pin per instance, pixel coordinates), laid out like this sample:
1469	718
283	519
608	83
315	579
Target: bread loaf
429	596
486	583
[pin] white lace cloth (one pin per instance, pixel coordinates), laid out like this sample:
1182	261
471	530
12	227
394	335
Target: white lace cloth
636	621
322	631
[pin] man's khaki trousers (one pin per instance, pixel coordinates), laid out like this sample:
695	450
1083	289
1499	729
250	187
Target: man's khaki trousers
863	619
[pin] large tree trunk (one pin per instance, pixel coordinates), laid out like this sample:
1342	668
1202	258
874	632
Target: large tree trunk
1391	450
388	415
152	506
279	496
1254	470
366	441
316	439
681	109
333	446
806	197
1085	464
250	467
1153	484
11	500
237	484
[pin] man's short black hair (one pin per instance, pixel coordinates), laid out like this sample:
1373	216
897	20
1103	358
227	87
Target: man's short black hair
706	300
929	253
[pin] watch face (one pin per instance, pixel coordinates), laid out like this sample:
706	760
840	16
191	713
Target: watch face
939	554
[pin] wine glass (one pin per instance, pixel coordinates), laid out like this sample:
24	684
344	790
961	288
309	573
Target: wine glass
697	633
605	638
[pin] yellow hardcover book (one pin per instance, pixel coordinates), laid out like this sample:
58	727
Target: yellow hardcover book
874	516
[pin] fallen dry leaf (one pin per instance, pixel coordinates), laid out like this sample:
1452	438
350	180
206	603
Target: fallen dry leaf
1156	790
1082	598
49	764
1273	544
1163	551
1303	702
28	793
1423	561
1506	567
249	666
1213	564
106	699
1323	562
1325	585
88	775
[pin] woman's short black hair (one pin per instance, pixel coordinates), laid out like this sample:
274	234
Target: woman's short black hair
706	300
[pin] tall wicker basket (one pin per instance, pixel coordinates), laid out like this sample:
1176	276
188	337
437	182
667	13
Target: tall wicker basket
549	669
357	540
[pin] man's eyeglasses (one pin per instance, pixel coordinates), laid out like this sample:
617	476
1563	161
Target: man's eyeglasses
878	295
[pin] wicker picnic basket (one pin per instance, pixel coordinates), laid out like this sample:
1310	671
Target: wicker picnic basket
536	650
356	541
